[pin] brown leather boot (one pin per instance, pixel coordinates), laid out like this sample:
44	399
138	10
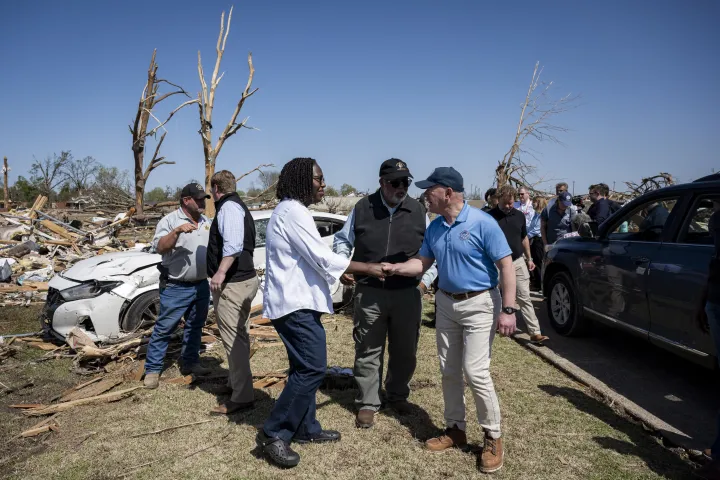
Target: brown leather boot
453	437
365	418
491	459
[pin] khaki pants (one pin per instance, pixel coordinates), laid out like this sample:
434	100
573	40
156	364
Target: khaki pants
522	296
465	330
232	310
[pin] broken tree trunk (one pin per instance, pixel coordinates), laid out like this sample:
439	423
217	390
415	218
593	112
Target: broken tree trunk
6	194
206	103
139	130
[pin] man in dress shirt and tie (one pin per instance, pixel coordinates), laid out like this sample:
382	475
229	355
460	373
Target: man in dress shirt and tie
387	226
234	284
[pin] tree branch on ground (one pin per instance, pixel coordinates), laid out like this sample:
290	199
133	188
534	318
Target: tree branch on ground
206	103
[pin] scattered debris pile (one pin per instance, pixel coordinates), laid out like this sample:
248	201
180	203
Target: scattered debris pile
35	244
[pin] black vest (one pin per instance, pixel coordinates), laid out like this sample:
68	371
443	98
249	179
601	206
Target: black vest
382	238
243	267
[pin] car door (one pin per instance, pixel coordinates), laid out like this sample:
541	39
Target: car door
678	276
620	272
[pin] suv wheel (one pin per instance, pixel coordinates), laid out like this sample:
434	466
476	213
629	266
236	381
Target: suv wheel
142	313
562	306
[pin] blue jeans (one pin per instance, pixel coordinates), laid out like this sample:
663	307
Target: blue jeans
713	314
293	414
176	301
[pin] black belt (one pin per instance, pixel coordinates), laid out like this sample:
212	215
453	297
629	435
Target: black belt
464	295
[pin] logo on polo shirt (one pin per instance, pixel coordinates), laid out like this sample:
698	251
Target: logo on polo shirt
465	235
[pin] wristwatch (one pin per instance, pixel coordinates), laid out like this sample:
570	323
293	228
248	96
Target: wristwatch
509	310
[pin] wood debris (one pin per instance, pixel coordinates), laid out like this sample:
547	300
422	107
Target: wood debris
155	432
40	410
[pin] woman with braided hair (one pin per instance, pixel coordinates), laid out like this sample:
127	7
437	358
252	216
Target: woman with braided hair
298	272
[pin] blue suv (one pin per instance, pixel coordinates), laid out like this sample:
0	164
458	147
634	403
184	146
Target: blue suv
643	271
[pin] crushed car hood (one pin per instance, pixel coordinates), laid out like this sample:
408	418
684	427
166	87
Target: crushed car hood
110	265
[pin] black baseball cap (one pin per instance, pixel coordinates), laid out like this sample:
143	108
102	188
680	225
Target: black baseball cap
194	190
445	176
394	168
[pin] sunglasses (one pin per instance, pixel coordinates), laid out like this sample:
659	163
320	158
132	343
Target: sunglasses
400	181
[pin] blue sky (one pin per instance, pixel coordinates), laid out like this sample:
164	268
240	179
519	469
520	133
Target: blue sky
354	83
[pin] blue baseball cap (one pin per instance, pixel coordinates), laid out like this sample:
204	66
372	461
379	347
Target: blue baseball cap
565	198
445	176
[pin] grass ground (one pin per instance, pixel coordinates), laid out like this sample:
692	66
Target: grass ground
553	427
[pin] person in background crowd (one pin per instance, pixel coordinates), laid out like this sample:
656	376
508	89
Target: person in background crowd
709	320
512	224
181	238
469	247
602	207
536	242
556	219
490	200
387	226
525	205
560	188
300	268
234	284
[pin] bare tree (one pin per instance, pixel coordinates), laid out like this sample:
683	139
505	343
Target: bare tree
149	99
536	121
647	184
6	193
49	173
207	101
81	172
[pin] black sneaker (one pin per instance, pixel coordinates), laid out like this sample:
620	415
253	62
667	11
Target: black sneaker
277	451
324	436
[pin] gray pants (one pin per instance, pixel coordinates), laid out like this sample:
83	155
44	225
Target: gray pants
381	313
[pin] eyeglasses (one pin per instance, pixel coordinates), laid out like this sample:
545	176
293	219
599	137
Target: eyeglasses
400	181
320	179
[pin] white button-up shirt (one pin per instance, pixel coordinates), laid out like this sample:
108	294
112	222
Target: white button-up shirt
299	266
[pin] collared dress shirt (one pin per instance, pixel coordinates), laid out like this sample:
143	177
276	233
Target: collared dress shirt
231	227
299	266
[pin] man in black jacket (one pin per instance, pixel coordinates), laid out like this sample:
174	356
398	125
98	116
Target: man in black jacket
387	226
234	284
602	207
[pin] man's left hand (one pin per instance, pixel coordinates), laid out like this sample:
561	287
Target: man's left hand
216	282
506	324
423	288
531	265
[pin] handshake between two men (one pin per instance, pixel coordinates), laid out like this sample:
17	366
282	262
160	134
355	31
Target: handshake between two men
506	322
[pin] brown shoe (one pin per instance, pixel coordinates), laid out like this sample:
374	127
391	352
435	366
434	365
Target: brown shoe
365	418
538	338
152	380
230	407
491	459
453	437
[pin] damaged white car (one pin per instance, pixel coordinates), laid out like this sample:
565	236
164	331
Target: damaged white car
110	296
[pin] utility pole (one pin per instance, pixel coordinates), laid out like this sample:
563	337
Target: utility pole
5	183
573	188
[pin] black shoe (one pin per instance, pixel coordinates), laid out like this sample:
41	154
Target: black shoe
324	436
277	450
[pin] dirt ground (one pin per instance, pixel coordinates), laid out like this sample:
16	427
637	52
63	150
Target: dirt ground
554	428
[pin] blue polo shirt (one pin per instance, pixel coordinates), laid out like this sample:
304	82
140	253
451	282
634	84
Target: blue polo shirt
466	251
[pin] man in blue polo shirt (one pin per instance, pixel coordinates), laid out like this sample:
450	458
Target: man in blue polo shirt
469	248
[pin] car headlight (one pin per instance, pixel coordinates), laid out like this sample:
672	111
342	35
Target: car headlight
88	290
